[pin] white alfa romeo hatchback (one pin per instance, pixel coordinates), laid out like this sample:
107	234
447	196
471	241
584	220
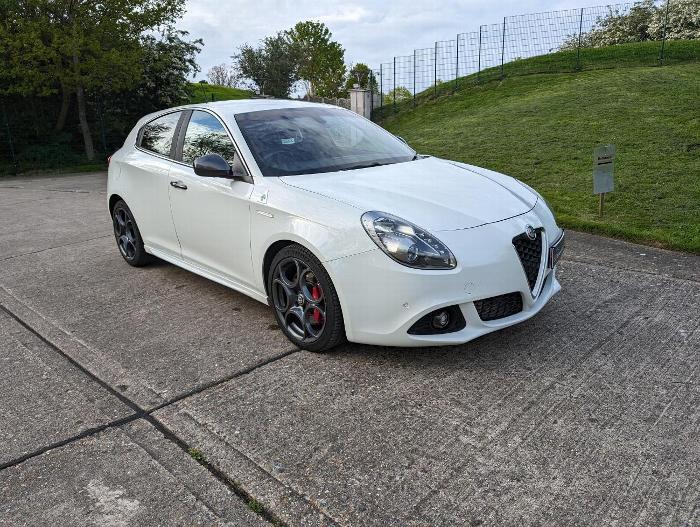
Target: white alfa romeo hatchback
341	227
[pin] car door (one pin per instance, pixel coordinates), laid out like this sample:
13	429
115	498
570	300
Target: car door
211	215
145	173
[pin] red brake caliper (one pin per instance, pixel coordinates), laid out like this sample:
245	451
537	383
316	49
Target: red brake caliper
316	294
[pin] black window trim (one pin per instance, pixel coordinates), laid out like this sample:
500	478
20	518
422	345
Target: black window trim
139	136
182	130
179	144
175	155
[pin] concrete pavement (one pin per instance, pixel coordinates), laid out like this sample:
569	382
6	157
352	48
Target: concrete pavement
154	397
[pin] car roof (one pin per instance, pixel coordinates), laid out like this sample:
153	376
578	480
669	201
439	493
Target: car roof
252	105
228	109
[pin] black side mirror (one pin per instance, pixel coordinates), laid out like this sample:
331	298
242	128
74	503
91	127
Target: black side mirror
212	165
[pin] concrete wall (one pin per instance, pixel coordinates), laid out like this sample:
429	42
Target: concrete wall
361	102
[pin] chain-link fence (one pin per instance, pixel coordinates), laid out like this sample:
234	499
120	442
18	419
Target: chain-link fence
30	136
556	41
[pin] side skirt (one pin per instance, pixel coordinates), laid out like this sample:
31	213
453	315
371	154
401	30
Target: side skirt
214	277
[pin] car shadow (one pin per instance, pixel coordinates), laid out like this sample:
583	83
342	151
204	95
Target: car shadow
524	347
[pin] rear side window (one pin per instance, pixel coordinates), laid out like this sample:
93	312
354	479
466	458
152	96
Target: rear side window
206	135
157	135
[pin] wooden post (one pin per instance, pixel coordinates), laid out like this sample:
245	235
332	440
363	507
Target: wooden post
600	204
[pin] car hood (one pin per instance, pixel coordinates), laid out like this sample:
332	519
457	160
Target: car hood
432	193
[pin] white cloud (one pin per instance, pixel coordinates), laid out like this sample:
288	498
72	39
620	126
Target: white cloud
370	31
351	14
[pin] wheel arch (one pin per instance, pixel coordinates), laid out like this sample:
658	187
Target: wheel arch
270	254
284	240
113	201
280	244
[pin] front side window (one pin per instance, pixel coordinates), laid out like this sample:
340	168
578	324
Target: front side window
291	141
157	135
206	135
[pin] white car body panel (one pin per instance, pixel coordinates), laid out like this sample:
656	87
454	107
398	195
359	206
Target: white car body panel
146	182
484	269
212	221
222	229
435	194
283	214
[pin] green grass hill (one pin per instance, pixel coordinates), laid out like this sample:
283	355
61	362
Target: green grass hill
542	128
209	92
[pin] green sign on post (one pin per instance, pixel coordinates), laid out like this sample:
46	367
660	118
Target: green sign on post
603	164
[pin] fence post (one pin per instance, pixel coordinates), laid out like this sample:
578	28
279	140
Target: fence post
457	63
578	50
381	88
394	83
435	71
15	165
370	85
478	71
414	78
503	47
663	38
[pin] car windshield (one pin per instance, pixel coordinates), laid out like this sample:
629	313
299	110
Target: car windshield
292	141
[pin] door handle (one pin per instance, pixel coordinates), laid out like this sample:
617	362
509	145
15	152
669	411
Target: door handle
178	184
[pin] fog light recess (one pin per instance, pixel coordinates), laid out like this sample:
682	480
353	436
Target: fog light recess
443	320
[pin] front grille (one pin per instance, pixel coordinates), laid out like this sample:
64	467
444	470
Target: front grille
499	306
530	253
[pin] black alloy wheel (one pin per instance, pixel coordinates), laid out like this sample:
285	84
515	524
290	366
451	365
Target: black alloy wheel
128	237
304	300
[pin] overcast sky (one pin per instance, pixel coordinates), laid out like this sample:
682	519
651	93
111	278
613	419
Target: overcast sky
370	31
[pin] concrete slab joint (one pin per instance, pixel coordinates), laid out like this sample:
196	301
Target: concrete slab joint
154	397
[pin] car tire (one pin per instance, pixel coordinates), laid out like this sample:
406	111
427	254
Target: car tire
304	300
128	236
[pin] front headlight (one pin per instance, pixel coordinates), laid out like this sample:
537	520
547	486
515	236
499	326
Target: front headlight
406	243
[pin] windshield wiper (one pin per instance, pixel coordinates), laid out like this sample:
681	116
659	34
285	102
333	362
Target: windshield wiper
366	165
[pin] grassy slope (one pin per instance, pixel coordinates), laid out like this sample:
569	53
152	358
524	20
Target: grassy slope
204	92
542	128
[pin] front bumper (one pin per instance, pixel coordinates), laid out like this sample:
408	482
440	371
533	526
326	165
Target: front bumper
382	299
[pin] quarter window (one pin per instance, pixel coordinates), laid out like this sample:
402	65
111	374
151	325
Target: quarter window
206	135
158	135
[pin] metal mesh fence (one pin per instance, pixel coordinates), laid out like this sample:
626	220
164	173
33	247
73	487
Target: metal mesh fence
556	41
29	139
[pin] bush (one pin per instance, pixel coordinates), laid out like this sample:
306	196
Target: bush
54	154
644	21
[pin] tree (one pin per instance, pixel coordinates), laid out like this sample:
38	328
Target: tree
683	21
362	75
222	75
76	46
321	60
271	68
400	93
643	21
167	63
